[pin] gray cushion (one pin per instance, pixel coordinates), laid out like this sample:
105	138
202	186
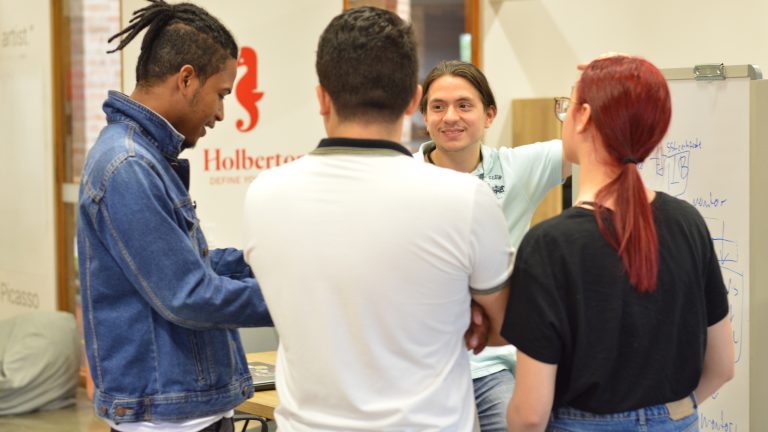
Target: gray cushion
39	362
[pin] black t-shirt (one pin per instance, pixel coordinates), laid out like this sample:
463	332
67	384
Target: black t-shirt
571	304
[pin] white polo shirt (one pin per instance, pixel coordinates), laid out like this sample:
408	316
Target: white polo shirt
366	258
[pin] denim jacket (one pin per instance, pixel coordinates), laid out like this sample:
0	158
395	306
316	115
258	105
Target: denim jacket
160	310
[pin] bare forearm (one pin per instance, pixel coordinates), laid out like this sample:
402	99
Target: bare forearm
494	305
495	339
708	385
517	421
531	401
718	360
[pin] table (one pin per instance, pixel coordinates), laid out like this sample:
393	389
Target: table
263	402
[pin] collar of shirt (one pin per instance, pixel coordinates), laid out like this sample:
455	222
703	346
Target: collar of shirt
168	140
330	146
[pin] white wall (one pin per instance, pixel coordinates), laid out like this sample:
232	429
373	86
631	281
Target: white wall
531	47
27	242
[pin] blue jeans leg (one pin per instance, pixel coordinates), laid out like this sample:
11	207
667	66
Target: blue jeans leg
492	394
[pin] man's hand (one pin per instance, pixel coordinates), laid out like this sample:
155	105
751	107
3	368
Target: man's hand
476	336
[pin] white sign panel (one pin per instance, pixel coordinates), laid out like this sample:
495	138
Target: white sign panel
27	236
271	118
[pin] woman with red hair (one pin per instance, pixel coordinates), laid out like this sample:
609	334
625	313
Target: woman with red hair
617	306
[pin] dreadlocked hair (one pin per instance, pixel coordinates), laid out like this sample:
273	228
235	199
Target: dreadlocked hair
177	35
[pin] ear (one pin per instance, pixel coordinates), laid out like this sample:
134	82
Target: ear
187	79
415	100
324	99
583	117
490	114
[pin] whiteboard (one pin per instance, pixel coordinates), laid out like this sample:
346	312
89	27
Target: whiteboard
704	159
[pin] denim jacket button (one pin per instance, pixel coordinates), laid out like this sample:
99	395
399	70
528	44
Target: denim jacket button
120	411
103	410
245	391
205	252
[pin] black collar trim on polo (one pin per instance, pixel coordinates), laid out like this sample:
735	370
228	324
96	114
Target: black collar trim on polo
359	146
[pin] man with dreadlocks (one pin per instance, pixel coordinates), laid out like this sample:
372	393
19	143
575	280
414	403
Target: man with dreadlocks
161	310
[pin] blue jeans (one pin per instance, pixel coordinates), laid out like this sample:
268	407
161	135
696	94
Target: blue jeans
657	418
492	394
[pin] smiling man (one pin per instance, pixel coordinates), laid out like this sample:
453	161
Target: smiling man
458	106
160	309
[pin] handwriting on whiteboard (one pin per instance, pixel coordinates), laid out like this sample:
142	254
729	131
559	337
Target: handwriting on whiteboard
727	251
722	424
671	160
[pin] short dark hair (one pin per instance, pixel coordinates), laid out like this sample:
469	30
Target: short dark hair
461	69
177	35
366	61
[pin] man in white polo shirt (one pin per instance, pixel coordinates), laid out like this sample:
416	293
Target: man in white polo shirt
367	258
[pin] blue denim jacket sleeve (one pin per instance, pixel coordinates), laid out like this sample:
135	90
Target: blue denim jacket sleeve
231	263
159	246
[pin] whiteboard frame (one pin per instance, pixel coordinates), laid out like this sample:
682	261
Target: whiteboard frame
737	71
758	251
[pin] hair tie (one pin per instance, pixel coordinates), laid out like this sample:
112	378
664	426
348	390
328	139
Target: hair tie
627	160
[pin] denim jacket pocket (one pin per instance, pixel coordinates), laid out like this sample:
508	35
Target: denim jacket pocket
214	355
194	231
198	357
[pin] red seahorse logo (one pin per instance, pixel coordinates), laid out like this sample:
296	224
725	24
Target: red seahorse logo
246	91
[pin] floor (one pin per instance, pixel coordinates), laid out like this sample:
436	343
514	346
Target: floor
77	418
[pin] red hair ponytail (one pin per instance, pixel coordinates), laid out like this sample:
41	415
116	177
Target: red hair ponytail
631	110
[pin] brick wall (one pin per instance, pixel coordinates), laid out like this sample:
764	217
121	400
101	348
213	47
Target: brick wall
92	72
